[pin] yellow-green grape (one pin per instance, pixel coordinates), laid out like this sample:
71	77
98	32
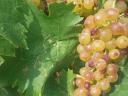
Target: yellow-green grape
84	56
95	90
112	78
36	2
101	64
98	75
112	69
105	34
121	5
84	70
89	22
108	4
84	38
100	18
114	54
88	4
122	42
111	44
105	85
98	45
80	92
80	48
89	77
89	48
112	13
79	81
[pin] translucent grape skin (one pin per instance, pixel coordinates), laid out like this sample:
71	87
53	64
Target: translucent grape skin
84	56
80	92
84	70
98	75
98	45
111	44
105	84
95	90
80	48
88	4
122	42
121	5
101	64
114	54
112	78
112	69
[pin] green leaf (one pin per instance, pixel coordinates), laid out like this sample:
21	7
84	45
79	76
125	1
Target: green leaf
12	31
60	86
121	87
31	68
1	60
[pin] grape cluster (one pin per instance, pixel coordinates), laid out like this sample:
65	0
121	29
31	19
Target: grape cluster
103	41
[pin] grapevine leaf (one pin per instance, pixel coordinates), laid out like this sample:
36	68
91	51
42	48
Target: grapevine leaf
60	86
1	60
32	67
120	88
12	31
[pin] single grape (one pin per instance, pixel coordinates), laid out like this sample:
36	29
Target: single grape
84	70
106	57
89	22
101	64
85	37
112	69
95	90
79	82
87	85
80	48
105	84
96	56
89	77
114	54
112	78
105	34
91	63
89	48
108	4
84	56
88	4
80	92
111	44
122	6
122	42
98	45
98	75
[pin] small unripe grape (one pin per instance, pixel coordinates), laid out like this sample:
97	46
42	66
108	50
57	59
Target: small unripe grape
105	34
117	28
84	56
80	48
98	75
95	91
88	4
79	82
111	44
80	92
113	78
89	22
105	84
122	42
122	6
108	4
101	64
112	69
100	18
114	54
112	13
84	38
98	45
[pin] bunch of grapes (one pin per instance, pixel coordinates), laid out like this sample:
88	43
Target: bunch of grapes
103	42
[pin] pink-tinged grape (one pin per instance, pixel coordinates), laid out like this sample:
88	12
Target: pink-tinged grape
85	38
98	45
89	77
80	92
112	13
117	28
122	6
108	4
91	63
89	48
111	44
106	57
95	90
84	56
112	78
88	4
87	85
112	69
89	22
105	84
98	75
79	82
105	34
100	18
122	42
101	64
80	48
84	70
96	56
114	54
